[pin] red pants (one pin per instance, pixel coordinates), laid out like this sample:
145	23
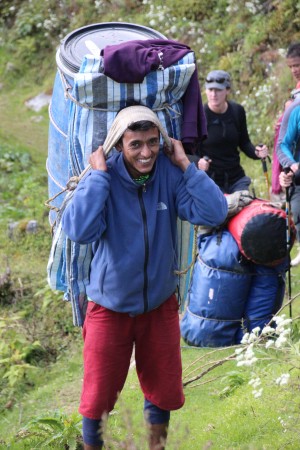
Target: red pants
109	338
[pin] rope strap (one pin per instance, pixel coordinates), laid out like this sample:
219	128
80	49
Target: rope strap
71	186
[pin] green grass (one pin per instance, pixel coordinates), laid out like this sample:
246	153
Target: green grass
236	421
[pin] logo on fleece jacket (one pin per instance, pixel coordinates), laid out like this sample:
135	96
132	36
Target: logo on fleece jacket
161	206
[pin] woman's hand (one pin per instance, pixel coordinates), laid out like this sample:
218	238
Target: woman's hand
294	167
261	151
204	163
286	179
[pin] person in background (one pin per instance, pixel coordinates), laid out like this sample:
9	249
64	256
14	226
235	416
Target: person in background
279	155
227	134
287	149
128	207
293	62
289	157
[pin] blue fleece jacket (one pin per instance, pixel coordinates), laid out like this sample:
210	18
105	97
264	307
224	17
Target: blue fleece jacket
290	151
133	229
284	157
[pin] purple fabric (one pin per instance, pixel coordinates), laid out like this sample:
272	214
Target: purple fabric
276	167
129	62
194	126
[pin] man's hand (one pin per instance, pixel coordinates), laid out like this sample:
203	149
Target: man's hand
177	154
237	201
97	159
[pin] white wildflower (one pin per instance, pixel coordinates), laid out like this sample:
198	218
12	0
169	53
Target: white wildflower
281	52
238	351
257	393
245	338
283	379
249	353
267	330
280	341
286	322
283	325
255	382
247	362
256	330
284	332
269	343
254	335
279	319
283	424
240	363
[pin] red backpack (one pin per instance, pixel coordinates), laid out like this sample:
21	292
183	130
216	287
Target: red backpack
260	230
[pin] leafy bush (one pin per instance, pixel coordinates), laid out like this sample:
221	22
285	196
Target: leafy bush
15	371
32	335
57	430
7	292
27	189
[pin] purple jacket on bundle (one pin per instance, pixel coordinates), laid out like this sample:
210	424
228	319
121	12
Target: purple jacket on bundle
139	57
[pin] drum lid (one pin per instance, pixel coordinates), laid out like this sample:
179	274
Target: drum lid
92	38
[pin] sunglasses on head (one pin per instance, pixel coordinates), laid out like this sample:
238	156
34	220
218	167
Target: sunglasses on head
216	80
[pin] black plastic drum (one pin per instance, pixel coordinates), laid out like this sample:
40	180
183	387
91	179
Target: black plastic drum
93	38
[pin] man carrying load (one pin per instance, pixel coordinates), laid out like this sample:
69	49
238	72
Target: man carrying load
127	206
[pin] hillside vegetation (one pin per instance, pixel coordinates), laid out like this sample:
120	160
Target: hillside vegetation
248	39
40	350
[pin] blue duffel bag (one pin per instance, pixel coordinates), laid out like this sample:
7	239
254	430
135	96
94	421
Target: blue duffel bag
218	293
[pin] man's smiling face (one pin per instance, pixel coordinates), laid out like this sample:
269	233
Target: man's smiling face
140	150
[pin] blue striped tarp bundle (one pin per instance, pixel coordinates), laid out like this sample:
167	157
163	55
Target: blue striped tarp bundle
68	267
96	99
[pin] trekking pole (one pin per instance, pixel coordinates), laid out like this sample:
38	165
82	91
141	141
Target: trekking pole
265	171
288	240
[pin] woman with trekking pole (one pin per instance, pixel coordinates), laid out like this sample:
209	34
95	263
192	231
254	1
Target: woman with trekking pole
227	135
289	157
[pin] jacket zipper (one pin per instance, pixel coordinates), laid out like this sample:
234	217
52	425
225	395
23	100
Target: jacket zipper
146	242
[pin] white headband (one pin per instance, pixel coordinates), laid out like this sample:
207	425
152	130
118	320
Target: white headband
127	117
